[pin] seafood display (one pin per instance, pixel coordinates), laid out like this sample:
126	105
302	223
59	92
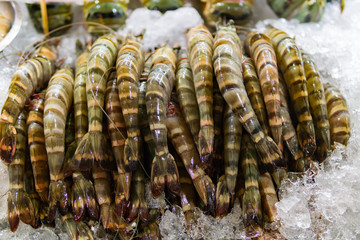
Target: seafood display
220	123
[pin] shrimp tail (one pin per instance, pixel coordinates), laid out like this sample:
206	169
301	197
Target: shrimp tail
21	208
76	231
164	171
206	189
122	193
138	207
269	154
7	142
252	211
59	196
83	197
206	142
322	150
305	132
92	147
222	197
131	158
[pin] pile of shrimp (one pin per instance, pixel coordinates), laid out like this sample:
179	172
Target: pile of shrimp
223	119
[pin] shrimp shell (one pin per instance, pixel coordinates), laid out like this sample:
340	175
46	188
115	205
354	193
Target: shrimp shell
28	78
227	60
318	107
36	141
58	100
259	47
291	65
339	116
200	47
251	201
253	89
159	86
184	145
93	146
232	143
19	204
129	66
186	94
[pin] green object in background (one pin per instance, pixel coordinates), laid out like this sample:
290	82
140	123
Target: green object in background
112	13
59	14
303	10
163	5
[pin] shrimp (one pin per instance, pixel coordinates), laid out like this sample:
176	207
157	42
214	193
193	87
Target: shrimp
28	78
159	86
239	11
268	197
129	66
102	183
289	132
83	193
253	89
31	191
36	141
339	116
163	5
184	144
222	197
117	132
217	159
145	128
187	194
76	230
259	47
138	205
227	60
200	47
232	142
93	146
19	204
251	201
186	94
318	107
291	65
58	100
4	26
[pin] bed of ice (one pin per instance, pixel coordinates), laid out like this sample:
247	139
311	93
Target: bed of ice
326	208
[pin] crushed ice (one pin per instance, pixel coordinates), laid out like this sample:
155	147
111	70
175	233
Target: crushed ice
324	206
